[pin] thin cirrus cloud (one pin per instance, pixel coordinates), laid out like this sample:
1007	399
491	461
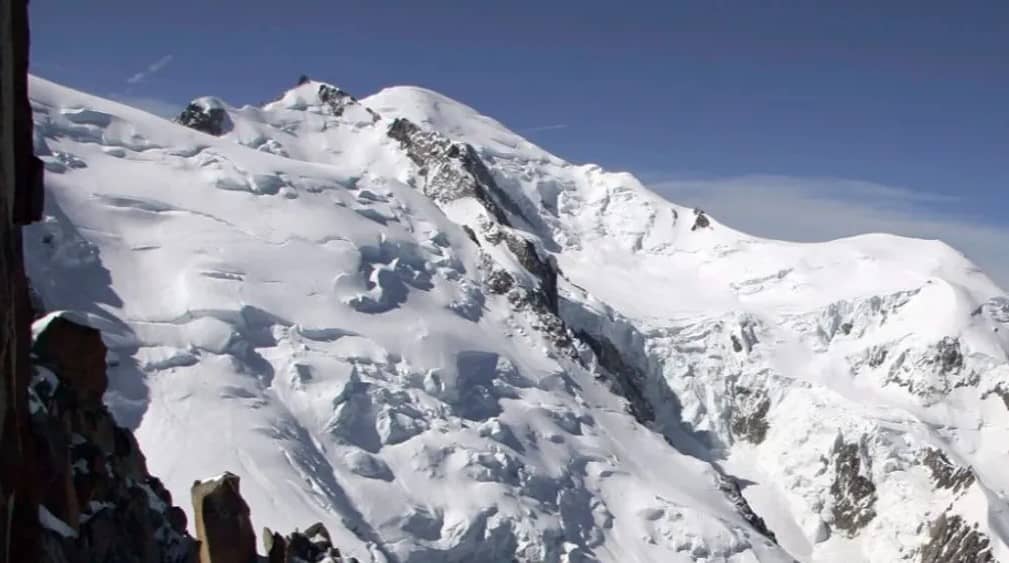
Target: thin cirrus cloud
818	209
152	68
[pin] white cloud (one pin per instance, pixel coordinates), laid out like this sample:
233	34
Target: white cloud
814	209
151	69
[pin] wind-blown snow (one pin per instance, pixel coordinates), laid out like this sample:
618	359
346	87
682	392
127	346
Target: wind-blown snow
284	302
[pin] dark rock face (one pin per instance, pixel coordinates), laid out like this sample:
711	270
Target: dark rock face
223	526
99	503
877	356
334	98
854	494
701	220
952	540
747	338
311	546
948	356
453	171
627	380
749	417
730	488
543	268
737	345
20	204
472	235
945	473
933	376
500	282
210	120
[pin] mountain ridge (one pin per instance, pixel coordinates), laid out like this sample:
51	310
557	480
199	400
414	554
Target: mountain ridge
753	330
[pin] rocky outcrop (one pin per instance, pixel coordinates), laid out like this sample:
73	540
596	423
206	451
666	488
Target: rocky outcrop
934	374
730	488
334	101
945	473
452	171
311	546
948	358
544	268
98	502
952	540
334	98
749	416
207	115
630	381
701	220
626	379
20	204
853	492
223	526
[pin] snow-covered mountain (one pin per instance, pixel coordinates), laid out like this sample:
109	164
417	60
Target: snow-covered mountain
395	316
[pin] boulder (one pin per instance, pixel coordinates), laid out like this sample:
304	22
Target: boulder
207	115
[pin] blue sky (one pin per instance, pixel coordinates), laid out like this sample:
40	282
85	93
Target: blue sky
857	115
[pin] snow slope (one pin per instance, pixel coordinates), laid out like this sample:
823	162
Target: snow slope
399	318
881	341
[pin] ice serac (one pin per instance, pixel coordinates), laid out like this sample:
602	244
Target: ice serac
397	318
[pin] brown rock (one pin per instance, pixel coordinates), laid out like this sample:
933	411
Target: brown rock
222	519
77	355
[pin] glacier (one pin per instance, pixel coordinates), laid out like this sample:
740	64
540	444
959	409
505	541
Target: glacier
397	317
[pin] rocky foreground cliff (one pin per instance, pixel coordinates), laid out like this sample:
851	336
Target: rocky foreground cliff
98	502
20	204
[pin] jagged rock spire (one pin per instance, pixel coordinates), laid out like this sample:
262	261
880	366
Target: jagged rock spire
223	526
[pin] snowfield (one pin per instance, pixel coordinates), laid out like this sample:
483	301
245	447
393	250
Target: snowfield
397	317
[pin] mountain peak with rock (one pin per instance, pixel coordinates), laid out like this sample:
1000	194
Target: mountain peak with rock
419	337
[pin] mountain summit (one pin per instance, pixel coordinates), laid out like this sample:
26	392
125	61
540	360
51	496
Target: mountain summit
399	318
